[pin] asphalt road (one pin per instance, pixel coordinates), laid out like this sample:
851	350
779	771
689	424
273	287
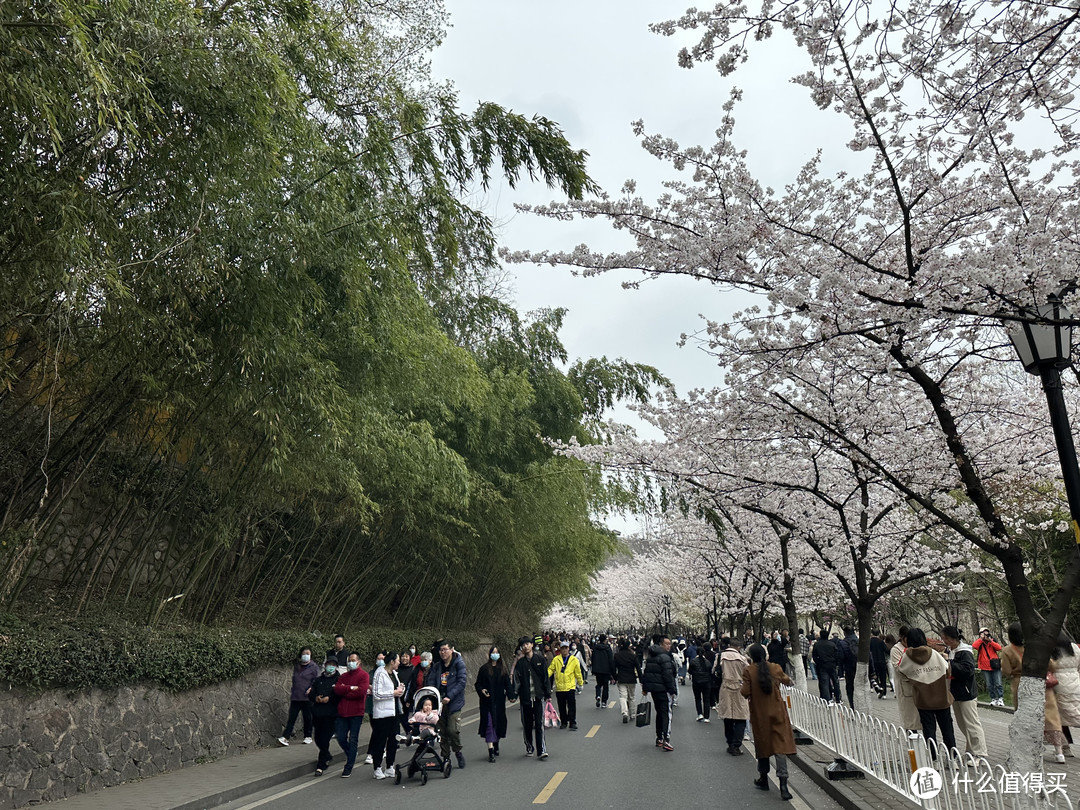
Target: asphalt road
604	764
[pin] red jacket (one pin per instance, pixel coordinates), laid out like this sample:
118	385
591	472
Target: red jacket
985	652
351	701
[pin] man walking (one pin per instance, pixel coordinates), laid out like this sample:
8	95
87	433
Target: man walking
532	689
849	657
659	680
603	669
986	656
627	674
824	655
962	685
449	676
879	665
567	672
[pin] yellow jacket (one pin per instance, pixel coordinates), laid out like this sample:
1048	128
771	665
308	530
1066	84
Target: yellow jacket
566	679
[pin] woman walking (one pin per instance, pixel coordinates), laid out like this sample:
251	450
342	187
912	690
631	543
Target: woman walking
732	706
1012	658
324	712
962	685
386	693
768	718
493	686
700	672
305	671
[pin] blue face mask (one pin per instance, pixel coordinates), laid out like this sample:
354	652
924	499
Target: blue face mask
380	663
494	656
354	664
305	658
331	670
425	664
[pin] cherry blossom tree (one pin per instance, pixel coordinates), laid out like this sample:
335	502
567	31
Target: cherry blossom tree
957	215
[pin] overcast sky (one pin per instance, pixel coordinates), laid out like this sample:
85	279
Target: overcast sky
594	67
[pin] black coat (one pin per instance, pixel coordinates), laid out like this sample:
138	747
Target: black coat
603	660
962	684
627	669
659	674
324	687
824	654
534	668
700	669
498	685
777	653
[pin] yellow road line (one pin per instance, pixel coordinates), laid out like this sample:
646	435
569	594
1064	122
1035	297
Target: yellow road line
612	704
549	788
592	731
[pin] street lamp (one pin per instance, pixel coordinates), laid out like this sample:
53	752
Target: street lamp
1044	345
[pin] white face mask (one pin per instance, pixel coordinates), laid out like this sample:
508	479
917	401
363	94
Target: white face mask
305	658
494	656
354	664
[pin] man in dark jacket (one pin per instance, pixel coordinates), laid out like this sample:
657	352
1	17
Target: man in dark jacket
627	675
449	676
850	652
962	686
531	686
879	665
340	653
824	655
658	679
324	711
603	667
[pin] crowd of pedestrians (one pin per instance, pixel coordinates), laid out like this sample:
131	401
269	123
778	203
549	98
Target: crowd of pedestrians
737	680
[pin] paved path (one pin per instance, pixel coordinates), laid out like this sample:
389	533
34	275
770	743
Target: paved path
605	764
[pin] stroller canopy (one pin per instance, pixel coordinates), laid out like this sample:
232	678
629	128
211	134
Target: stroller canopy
427	691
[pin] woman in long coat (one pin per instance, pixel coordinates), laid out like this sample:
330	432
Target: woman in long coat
768	718
1067	691
1012	658
493	687
732	706
904	690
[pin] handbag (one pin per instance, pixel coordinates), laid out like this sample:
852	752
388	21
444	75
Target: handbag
995	663
644	714
551	714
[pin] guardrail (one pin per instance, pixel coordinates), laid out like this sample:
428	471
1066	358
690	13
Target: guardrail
893	756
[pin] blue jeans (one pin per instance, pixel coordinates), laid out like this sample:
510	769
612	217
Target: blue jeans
348	737
994	686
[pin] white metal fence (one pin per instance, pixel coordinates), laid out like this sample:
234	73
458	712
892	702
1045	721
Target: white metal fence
891	755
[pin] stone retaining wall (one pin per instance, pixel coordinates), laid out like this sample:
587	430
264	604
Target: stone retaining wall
61	743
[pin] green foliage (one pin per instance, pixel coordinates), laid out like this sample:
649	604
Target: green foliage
249	356
43	654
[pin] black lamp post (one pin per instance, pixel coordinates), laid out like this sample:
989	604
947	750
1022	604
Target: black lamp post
1044	344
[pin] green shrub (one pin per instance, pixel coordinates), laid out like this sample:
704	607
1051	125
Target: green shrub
40	654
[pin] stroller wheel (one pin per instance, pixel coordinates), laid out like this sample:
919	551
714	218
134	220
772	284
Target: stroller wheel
397	776
447	768
423	777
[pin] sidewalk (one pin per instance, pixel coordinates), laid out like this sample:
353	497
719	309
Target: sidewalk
867	792
217	783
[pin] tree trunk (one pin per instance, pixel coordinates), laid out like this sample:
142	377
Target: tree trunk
1026	728
865	614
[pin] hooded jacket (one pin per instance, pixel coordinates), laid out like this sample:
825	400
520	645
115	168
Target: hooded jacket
659	673
962	670
928	672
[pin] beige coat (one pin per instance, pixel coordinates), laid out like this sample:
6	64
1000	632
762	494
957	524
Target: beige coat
768	713
1011	661
1067	691
905	692
732	705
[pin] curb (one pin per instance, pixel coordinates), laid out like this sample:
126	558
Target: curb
265	782
845	797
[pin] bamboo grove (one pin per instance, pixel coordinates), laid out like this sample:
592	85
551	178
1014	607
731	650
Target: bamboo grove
253	361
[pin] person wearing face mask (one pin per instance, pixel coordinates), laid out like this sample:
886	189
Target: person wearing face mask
386	693
380	662
305	671
324	705
493	686
351	690
413	658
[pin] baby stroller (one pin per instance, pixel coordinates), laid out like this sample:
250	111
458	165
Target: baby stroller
426	757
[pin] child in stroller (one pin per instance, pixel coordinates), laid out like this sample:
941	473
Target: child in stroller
425	728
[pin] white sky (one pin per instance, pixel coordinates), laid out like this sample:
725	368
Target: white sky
593	66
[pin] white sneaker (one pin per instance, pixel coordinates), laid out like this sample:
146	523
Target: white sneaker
368	760
379	774
282	740
390	772
700	717
706	720
1060	758
307	740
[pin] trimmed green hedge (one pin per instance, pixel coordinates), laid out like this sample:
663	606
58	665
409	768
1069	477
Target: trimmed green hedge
39	654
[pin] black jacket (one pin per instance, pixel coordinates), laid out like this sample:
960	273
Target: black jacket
879	653
603	660
626	667
700	669
962	684
777	653
659	674
324	687
824	654
536	668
